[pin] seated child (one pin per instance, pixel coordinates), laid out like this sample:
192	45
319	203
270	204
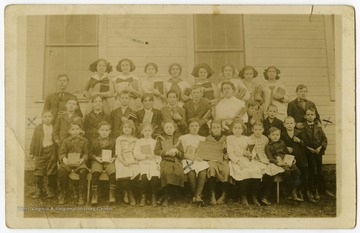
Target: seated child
121	114
246	173
93	118
172	112
74	147
149	164
149	114
254	115
194	167
276	151
63	121
218	170
102	154
271	120
127	167
171	170
43	149
315	142
55	102
295	144
269	170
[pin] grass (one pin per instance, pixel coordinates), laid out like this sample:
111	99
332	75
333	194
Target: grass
181	207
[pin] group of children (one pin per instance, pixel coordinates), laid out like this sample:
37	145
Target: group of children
156	135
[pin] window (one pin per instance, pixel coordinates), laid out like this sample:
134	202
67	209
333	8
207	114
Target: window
219	40
71	45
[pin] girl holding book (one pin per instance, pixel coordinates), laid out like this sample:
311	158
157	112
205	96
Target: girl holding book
149	163
218	169
100	84
127	167
171	171
194	167
275	92
243	170
127	80
177	84
153	85
202	73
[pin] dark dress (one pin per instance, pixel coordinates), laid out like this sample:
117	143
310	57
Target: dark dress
171	169
298	148
219	169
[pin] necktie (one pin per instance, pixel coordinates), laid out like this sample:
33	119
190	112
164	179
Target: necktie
61	95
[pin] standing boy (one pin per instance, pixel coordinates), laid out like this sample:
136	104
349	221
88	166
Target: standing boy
122	113
55	102
315	141
172	112
62	123
42	149
298	106
199	108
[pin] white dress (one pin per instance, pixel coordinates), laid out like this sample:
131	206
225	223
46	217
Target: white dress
124	147
190	143
269	90
241	91
260	156
121	82
149	167
246	169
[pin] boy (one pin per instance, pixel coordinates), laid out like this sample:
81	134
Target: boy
73	146
149	114
254	115
271	120
42	149
93	118
199	108
275	152
315	142
122	113
98	146
55	102
172	112
295	144
297	107
62	123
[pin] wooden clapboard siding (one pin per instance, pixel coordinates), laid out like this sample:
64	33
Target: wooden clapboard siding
297	46
162	39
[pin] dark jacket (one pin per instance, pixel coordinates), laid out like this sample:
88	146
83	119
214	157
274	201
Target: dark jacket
298	148
115	119
276	123
98	144
91	123
155	121
275	149
295	110
37	141
56	106
76	144
174	140
315	137
167	113
200	113
62	125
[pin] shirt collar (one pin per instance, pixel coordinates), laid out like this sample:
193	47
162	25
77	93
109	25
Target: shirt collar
301	100
146	110
312	123
97	113
96	76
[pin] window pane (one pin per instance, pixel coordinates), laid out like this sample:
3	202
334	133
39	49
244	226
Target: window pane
56	29
218	32
88	29
72	29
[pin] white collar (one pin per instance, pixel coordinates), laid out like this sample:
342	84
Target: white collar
96	76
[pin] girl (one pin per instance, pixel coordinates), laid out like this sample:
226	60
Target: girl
126	80
148	162
100	84
275	92
229	74
269	170
127	167
194	167
175	83
153	85
225	113
202	73
92	119
245	172
247	75
170	150
218	170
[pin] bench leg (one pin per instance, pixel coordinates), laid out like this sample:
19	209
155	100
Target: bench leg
88	191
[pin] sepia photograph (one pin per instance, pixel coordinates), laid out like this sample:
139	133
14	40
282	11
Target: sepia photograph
179	116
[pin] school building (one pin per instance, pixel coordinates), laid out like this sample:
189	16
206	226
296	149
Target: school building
301	46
